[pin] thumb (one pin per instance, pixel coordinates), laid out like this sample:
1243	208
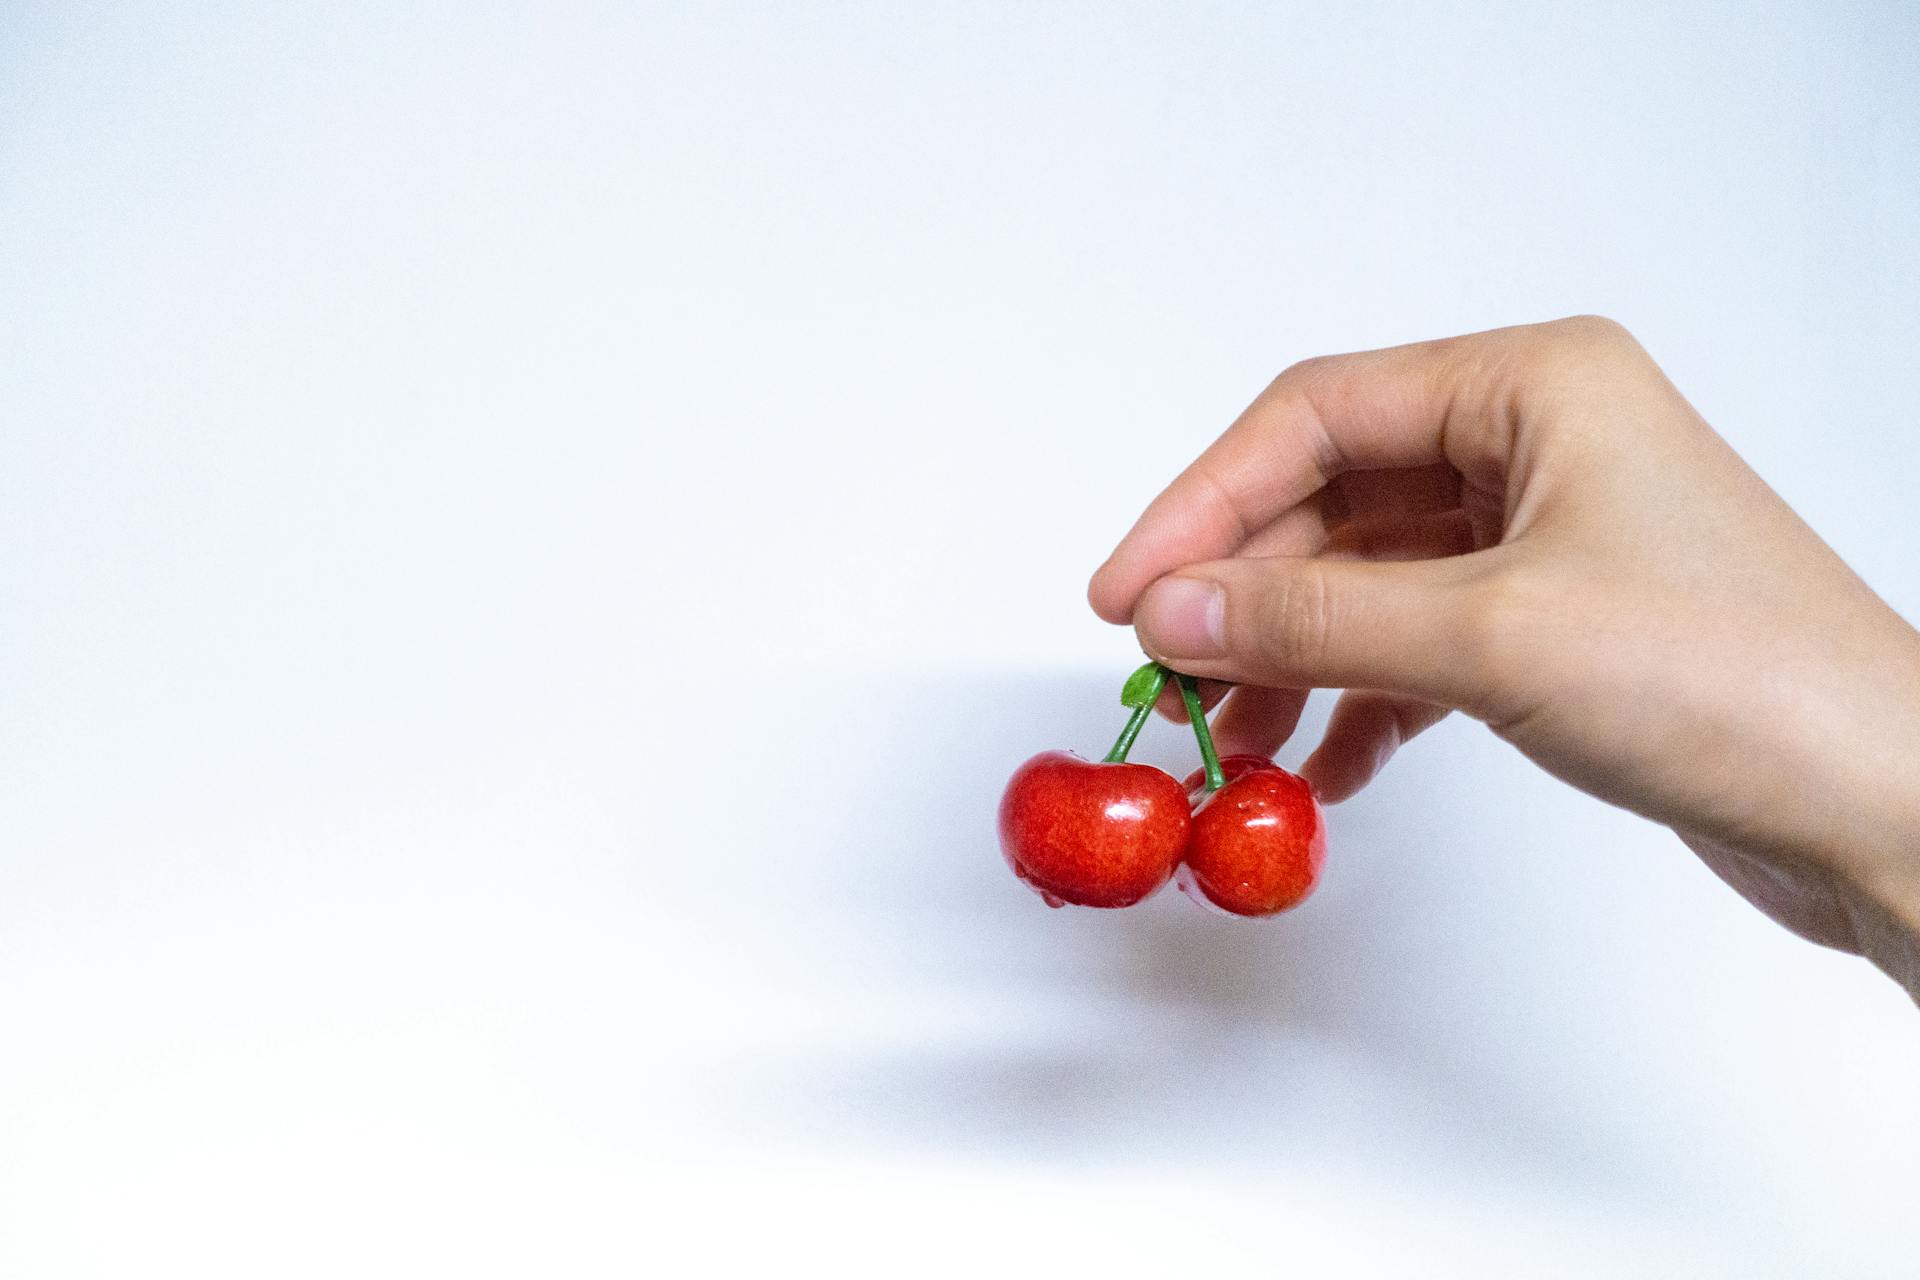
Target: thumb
1289	622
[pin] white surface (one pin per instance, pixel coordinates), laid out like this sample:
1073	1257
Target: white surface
531	536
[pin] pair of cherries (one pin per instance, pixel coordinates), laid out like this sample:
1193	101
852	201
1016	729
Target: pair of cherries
1243	834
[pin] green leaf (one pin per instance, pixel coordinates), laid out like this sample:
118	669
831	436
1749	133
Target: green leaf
1143	687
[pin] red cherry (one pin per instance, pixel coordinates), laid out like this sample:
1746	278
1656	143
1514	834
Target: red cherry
1257	843
1097	835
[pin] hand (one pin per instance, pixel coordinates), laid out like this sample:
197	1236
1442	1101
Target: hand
1532	526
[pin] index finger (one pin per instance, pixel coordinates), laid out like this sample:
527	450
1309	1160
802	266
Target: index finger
1363	411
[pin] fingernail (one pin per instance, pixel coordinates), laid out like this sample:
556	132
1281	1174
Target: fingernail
1183	618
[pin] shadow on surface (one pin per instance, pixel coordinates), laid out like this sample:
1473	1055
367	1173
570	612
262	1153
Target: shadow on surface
1383	1019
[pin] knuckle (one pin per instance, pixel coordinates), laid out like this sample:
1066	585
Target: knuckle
1293	622
1583	343
1498	636
1594	330
1303	372
1565	362
1497	606
1305	386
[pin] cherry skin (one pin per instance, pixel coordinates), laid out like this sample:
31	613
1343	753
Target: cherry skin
1231	767
1096	835
1257	844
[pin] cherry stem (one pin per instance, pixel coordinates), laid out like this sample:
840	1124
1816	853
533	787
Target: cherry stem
1138	720
1124	743
1197	716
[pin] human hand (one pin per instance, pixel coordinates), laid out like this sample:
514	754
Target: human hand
1532	526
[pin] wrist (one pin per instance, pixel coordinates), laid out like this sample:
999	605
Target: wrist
1885	917
1880	868
1866	818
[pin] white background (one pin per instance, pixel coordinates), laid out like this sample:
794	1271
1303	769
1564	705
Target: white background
531	536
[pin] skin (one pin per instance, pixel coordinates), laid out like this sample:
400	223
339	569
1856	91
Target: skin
1532	526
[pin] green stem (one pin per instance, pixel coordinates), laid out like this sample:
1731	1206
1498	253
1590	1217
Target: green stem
1124	743
1150	694
1197	715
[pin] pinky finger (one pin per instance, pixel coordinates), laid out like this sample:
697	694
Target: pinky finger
1366	728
